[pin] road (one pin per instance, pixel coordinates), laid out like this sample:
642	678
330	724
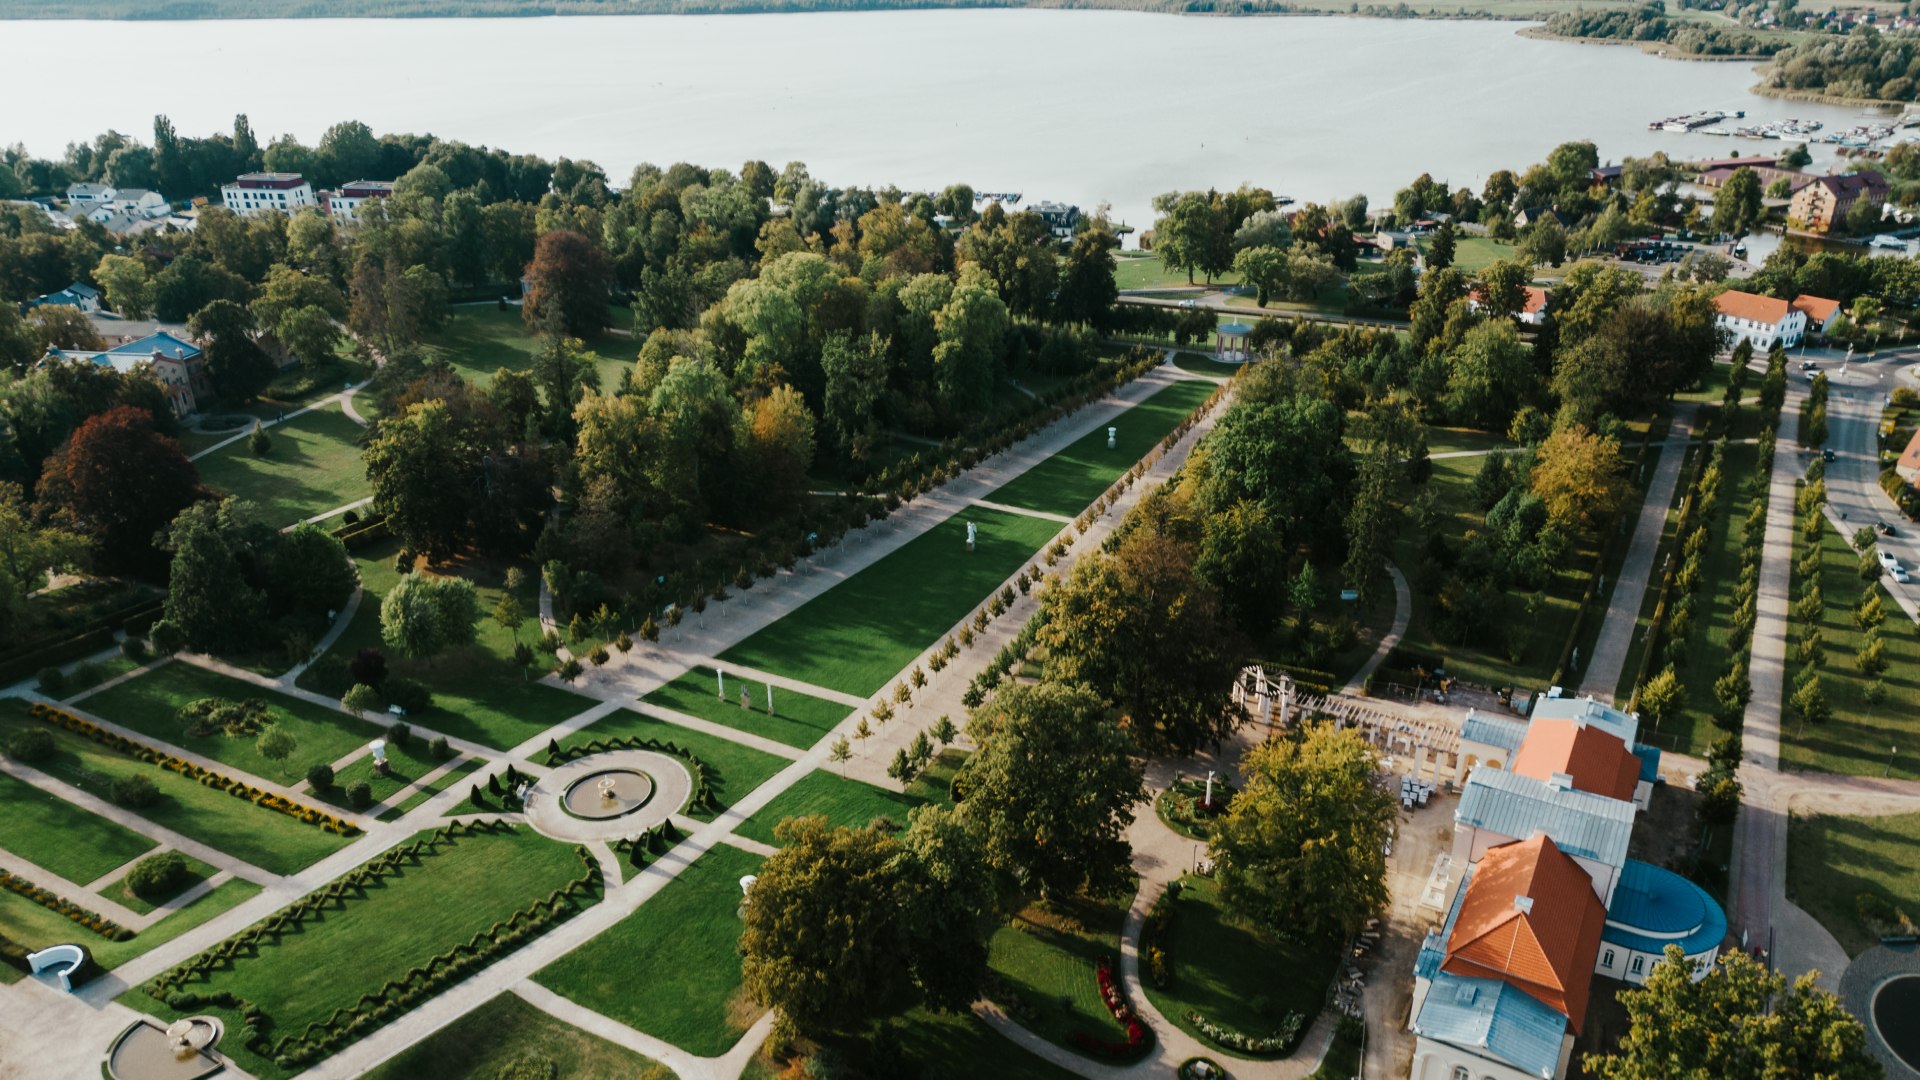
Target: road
1857	392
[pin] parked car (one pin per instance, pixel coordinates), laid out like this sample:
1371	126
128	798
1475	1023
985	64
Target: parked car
1900	574
1827	455
1887	560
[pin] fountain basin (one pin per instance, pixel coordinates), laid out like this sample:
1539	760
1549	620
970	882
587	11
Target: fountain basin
145	1051
1896	1014
607	793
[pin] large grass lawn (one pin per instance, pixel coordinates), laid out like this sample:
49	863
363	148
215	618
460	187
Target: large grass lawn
1472	254
1833	861
1046	956
435	902
480	340
739	768
405	764
312	467
840	800
150	704
36	927
478	692
1071	479
672	968
860	633
1145	271
268	839
1857	739
49	831
1197	364
798	720
1231	975
505	1030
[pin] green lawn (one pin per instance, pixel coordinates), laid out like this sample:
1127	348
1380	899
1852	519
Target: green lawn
1834	861
859	634
478	692
312	467
266	838
1046	956
1071	479
118	891
150	704
1472	254
73	843
842	801
347	950
484	1042
405	764
1234	976
1205	365
798	720
36	927
1144	271
480	340
739	769
672	968
1857	739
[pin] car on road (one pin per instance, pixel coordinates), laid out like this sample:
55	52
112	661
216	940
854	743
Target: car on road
1827	455
1887	560
1900	574
1886	529
1808	365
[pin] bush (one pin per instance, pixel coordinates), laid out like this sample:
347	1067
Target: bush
157	877
53	682
320	777
30	745
409	694
134	791
400	735
134	649
359	795
439	748
369	666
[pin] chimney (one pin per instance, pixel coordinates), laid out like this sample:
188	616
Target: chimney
1523	904
1560	781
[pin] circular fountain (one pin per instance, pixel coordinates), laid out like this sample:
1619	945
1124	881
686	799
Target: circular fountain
1896	1015
183	1050
608	793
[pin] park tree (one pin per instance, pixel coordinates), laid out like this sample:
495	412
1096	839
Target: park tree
1299	849
568	285
424	615
1736	206
970	329
120	482
310	334
1580	477
1661	696
1087	290
63	326
235	362
1191	234
1052	788
1489	376
856	378
1441	249
773	445
210	598
276	744
1502	288
1264	268
844	924
421	470
1740	1022
1545	242
308	572
29	549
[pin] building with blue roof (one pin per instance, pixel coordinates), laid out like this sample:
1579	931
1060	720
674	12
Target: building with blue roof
77	295
1490	738
1498	807
1585	710
174	362
1653	908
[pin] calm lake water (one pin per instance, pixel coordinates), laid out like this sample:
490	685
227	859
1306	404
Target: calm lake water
1080	106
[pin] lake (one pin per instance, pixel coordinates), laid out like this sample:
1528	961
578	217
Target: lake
1080	106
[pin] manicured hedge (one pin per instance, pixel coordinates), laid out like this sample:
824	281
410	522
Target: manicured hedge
704	793
58	904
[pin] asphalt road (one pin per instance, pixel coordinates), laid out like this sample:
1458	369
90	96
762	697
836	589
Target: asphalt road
1857	391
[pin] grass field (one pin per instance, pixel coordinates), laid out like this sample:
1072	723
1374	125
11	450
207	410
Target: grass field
405	764
840	800
118	891
1472	254
740	768
73	843
671	969
797	720
1857	739
1233	976
348	950
1203	365
269	840
36	927
506	1030
480	340
1145	271
857	635
1070	480
150	704
1047	956
478	693
313	466
1833	861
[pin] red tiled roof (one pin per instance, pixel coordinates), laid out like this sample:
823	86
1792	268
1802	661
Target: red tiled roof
1545	950
1597	760
1910	457
1818	308
1745	305
1536	300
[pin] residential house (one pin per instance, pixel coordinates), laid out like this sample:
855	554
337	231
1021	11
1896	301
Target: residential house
78	295
345	204
1530	215
1821	313
1908	466
80	194
1825	203
1718	176
1060	218
175	362
1762	320
1547	896
264	192
1533	309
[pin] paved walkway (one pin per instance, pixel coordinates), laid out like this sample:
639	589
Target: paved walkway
1609	660
1402	614
247	430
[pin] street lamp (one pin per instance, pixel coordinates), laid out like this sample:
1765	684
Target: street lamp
1891	750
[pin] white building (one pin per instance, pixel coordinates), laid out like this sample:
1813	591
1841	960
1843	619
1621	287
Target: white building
254	193
1762	320
83	194
345	204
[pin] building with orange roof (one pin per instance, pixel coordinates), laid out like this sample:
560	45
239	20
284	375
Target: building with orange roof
1590	758
1530	920
1820	312
1908	467
1763	320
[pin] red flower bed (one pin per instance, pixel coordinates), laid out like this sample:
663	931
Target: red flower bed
1136	1040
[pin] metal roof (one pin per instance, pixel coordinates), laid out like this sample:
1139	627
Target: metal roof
163	343
1649	761
1588	711
1655	907
1502	731
1490	1017
1591	826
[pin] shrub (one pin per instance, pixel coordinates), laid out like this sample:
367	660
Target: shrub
30	745
320	777
53	682
439	748
599	655
408	694
134	649
369	666
157	877
359	795
400	735
134	791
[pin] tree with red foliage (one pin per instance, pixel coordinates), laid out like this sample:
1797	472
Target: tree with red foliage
568	283
122	482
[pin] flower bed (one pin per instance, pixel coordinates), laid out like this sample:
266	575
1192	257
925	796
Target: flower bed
1137	1039
1281	1041
217	781
58	904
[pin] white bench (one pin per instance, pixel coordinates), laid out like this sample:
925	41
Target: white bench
62	960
